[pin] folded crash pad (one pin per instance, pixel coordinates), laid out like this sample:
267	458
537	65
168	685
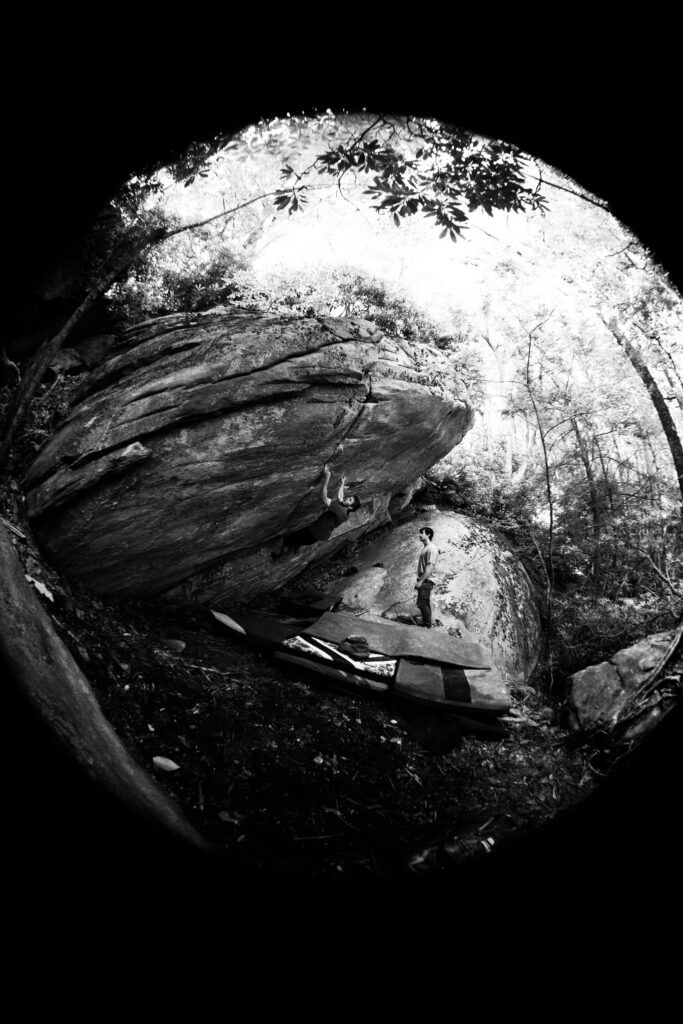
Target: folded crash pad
487	687
259	628
469	691
397	640
429	682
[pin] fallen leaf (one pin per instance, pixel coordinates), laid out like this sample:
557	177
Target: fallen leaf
40	587
165	764
175	645
233	819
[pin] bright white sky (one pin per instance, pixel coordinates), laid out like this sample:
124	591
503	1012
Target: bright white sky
333	230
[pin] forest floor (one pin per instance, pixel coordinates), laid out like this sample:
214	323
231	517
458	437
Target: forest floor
292	777
283	773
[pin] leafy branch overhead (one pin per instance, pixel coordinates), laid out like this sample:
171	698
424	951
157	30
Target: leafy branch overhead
421	166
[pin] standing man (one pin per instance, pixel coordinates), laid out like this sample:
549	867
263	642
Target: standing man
426	567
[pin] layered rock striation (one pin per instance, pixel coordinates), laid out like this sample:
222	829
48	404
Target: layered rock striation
201	440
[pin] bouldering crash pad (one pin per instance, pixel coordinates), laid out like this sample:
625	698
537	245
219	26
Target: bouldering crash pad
442	684
397	640
469	691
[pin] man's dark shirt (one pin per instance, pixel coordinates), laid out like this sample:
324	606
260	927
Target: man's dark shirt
331	518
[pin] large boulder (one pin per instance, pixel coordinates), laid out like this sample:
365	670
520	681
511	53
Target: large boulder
598	695
201	439
481	590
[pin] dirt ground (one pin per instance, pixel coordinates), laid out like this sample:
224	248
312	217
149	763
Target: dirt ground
290	776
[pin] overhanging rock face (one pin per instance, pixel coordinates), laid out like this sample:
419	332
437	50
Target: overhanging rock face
200	441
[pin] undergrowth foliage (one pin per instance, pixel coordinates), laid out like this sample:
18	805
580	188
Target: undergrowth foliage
598	607
592	629
194	280
46	413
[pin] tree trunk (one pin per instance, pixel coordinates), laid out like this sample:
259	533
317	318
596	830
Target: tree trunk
609	491
605	476
659	402
593	491
550	575
673	383
508	455
652	470
528	446
43	668
669	367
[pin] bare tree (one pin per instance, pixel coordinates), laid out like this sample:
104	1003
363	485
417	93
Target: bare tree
542	433
661	408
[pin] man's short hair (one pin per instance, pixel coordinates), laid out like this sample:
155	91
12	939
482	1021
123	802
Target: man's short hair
428	530
356	502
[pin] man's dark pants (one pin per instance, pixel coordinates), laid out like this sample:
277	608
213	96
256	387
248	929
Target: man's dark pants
423	595
296	540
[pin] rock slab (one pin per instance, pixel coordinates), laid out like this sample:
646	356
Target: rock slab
597	695
201	438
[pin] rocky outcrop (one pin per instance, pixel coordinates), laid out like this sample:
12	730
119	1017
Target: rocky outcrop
598	696
201	439
481	590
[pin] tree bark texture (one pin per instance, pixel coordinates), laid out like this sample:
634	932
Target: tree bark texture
659	402
41	665
593	491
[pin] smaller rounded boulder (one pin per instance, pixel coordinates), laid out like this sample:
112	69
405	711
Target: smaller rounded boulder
481	590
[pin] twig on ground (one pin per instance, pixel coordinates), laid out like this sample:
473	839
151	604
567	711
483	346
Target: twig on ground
652	681
53	385
595	771
14	530
329	835
192	664
331	810
486	824
412	775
